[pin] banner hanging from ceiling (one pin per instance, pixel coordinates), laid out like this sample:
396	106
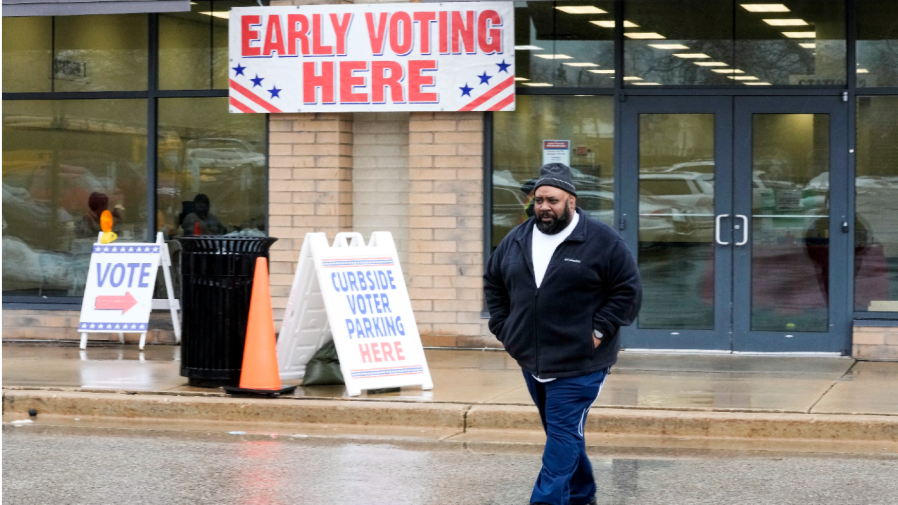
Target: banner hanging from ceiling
456	56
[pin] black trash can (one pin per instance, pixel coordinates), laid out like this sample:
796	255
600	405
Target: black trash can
216	287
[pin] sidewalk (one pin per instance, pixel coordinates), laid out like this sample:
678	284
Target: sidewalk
480	395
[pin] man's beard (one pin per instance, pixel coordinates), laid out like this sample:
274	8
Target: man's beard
556	224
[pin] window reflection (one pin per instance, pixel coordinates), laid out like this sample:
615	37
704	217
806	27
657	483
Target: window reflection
587	123
696	42
27	54
876	218
877	44
568	44
676	220
64	162
100	53
790	222
211	169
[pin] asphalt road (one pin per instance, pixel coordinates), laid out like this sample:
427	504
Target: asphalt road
50	465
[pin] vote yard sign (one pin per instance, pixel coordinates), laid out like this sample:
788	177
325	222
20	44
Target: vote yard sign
360	291
118	296
453	56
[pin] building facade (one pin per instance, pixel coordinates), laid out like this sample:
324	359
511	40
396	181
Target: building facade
746	151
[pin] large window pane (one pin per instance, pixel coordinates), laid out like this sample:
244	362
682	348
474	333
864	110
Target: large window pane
676	220
802	42
876	219
27	47
185	47
101	53
204	150
568	44
678	42
64	162
700	42
877	44
518	142
790	222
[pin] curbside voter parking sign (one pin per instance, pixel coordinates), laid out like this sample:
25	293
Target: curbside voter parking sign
354	293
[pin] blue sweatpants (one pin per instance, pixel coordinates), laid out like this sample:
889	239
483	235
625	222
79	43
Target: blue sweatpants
566	476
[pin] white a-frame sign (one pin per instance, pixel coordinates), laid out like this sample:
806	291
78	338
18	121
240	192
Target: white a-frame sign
356	294
118	295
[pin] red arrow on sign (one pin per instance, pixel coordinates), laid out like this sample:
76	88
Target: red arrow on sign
124	302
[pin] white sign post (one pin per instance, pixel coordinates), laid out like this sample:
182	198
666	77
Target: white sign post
356	294
118	295
453	56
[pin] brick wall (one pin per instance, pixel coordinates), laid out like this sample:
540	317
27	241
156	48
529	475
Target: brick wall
380	184
22	324
309	188
445	261
875	343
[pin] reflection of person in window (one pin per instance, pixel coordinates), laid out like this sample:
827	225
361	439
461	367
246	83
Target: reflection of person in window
208	223
90	223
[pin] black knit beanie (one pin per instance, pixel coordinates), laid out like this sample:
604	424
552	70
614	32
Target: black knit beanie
557	175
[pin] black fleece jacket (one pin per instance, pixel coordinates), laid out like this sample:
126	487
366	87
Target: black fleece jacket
592	282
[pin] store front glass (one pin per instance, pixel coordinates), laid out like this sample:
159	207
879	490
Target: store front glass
564	44
586	122
64	163
730	184
701	43
876	205
67	158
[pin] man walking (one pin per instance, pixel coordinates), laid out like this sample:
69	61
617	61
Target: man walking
558	288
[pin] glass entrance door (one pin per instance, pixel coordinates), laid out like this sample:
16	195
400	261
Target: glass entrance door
735	210
791	205
675	210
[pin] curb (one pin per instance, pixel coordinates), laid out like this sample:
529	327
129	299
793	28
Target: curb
462	418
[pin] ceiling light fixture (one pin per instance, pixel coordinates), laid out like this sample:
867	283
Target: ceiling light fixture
800	35
217	14
786	22
528	48
808	45
632	78
742	77
581	9
669	46
537	84
765	7
554	56
521	79
581	64
756	83
691	55
646	84
645	35
863	71
727	71
711	63
610	24
603	71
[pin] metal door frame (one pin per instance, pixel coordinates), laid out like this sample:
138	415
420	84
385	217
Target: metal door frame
838	336
719	338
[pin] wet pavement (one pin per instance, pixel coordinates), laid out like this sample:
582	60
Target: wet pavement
68	465
640	380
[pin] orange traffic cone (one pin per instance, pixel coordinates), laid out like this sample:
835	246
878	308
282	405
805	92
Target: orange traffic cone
259	374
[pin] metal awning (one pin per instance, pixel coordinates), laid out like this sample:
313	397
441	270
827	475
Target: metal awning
83	7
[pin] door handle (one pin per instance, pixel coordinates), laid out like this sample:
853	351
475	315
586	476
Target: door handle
717	229
744	230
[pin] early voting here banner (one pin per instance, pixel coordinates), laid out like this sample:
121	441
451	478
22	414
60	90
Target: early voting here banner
455	56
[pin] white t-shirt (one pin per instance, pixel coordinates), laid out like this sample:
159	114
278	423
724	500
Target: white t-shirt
542	250
544	247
